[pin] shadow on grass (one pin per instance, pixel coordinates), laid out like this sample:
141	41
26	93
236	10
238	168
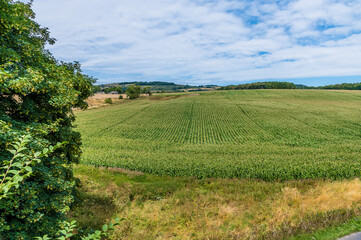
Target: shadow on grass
93	211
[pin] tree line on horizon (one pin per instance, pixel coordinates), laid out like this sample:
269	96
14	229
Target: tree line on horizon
288	85
162	87
261	85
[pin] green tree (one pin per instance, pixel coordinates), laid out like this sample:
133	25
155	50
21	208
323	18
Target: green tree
96	89
108	90
111	89
146	90
37	94
133	91
119	90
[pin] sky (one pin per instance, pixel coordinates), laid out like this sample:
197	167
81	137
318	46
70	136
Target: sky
199	42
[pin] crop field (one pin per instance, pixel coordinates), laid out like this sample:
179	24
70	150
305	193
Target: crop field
261	134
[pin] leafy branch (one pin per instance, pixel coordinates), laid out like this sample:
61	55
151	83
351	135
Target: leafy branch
69	228
19	167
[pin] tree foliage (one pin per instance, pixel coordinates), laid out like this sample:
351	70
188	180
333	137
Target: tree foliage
146	90
261	85
113	89
133	91
18	168
37	94
96	89
154	86
343	86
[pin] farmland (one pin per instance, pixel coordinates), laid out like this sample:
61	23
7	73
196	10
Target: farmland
258	134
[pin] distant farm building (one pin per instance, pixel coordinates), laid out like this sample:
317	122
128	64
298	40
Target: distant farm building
113	92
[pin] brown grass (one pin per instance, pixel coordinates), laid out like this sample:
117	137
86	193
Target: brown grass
213	208
97	100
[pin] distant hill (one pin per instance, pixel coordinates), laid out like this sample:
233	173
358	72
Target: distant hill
288	85
343	86
302	86
261	85
157	86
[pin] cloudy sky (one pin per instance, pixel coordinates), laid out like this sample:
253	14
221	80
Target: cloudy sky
222	42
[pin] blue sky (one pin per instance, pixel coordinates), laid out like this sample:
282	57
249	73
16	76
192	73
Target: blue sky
314	42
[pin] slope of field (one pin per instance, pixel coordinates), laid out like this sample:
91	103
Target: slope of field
264	134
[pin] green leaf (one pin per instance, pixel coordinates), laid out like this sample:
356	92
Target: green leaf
12	151
105	228
29	169
18	155
68	235
17	164
18	178
22	149
45	150
13	171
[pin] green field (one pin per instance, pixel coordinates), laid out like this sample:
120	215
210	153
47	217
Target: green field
263	134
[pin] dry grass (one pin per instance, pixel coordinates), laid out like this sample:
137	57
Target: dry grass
294	210
187	208
97	100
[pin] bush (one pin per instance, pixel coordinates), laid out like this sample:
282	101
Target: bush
37	96
108	101
120	96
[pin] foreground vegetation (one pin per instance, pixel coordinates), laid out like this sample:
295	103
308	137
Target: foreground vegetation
37	94
156	207
259	134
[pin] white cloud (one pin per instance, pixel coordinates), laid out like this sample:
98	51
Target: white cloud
205	41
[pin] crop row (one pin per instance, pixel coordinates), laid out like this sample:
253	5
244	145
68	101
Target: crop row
245	134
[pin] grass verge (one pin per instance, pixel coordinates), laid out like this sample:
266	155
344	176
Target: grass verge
332	232
160	207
